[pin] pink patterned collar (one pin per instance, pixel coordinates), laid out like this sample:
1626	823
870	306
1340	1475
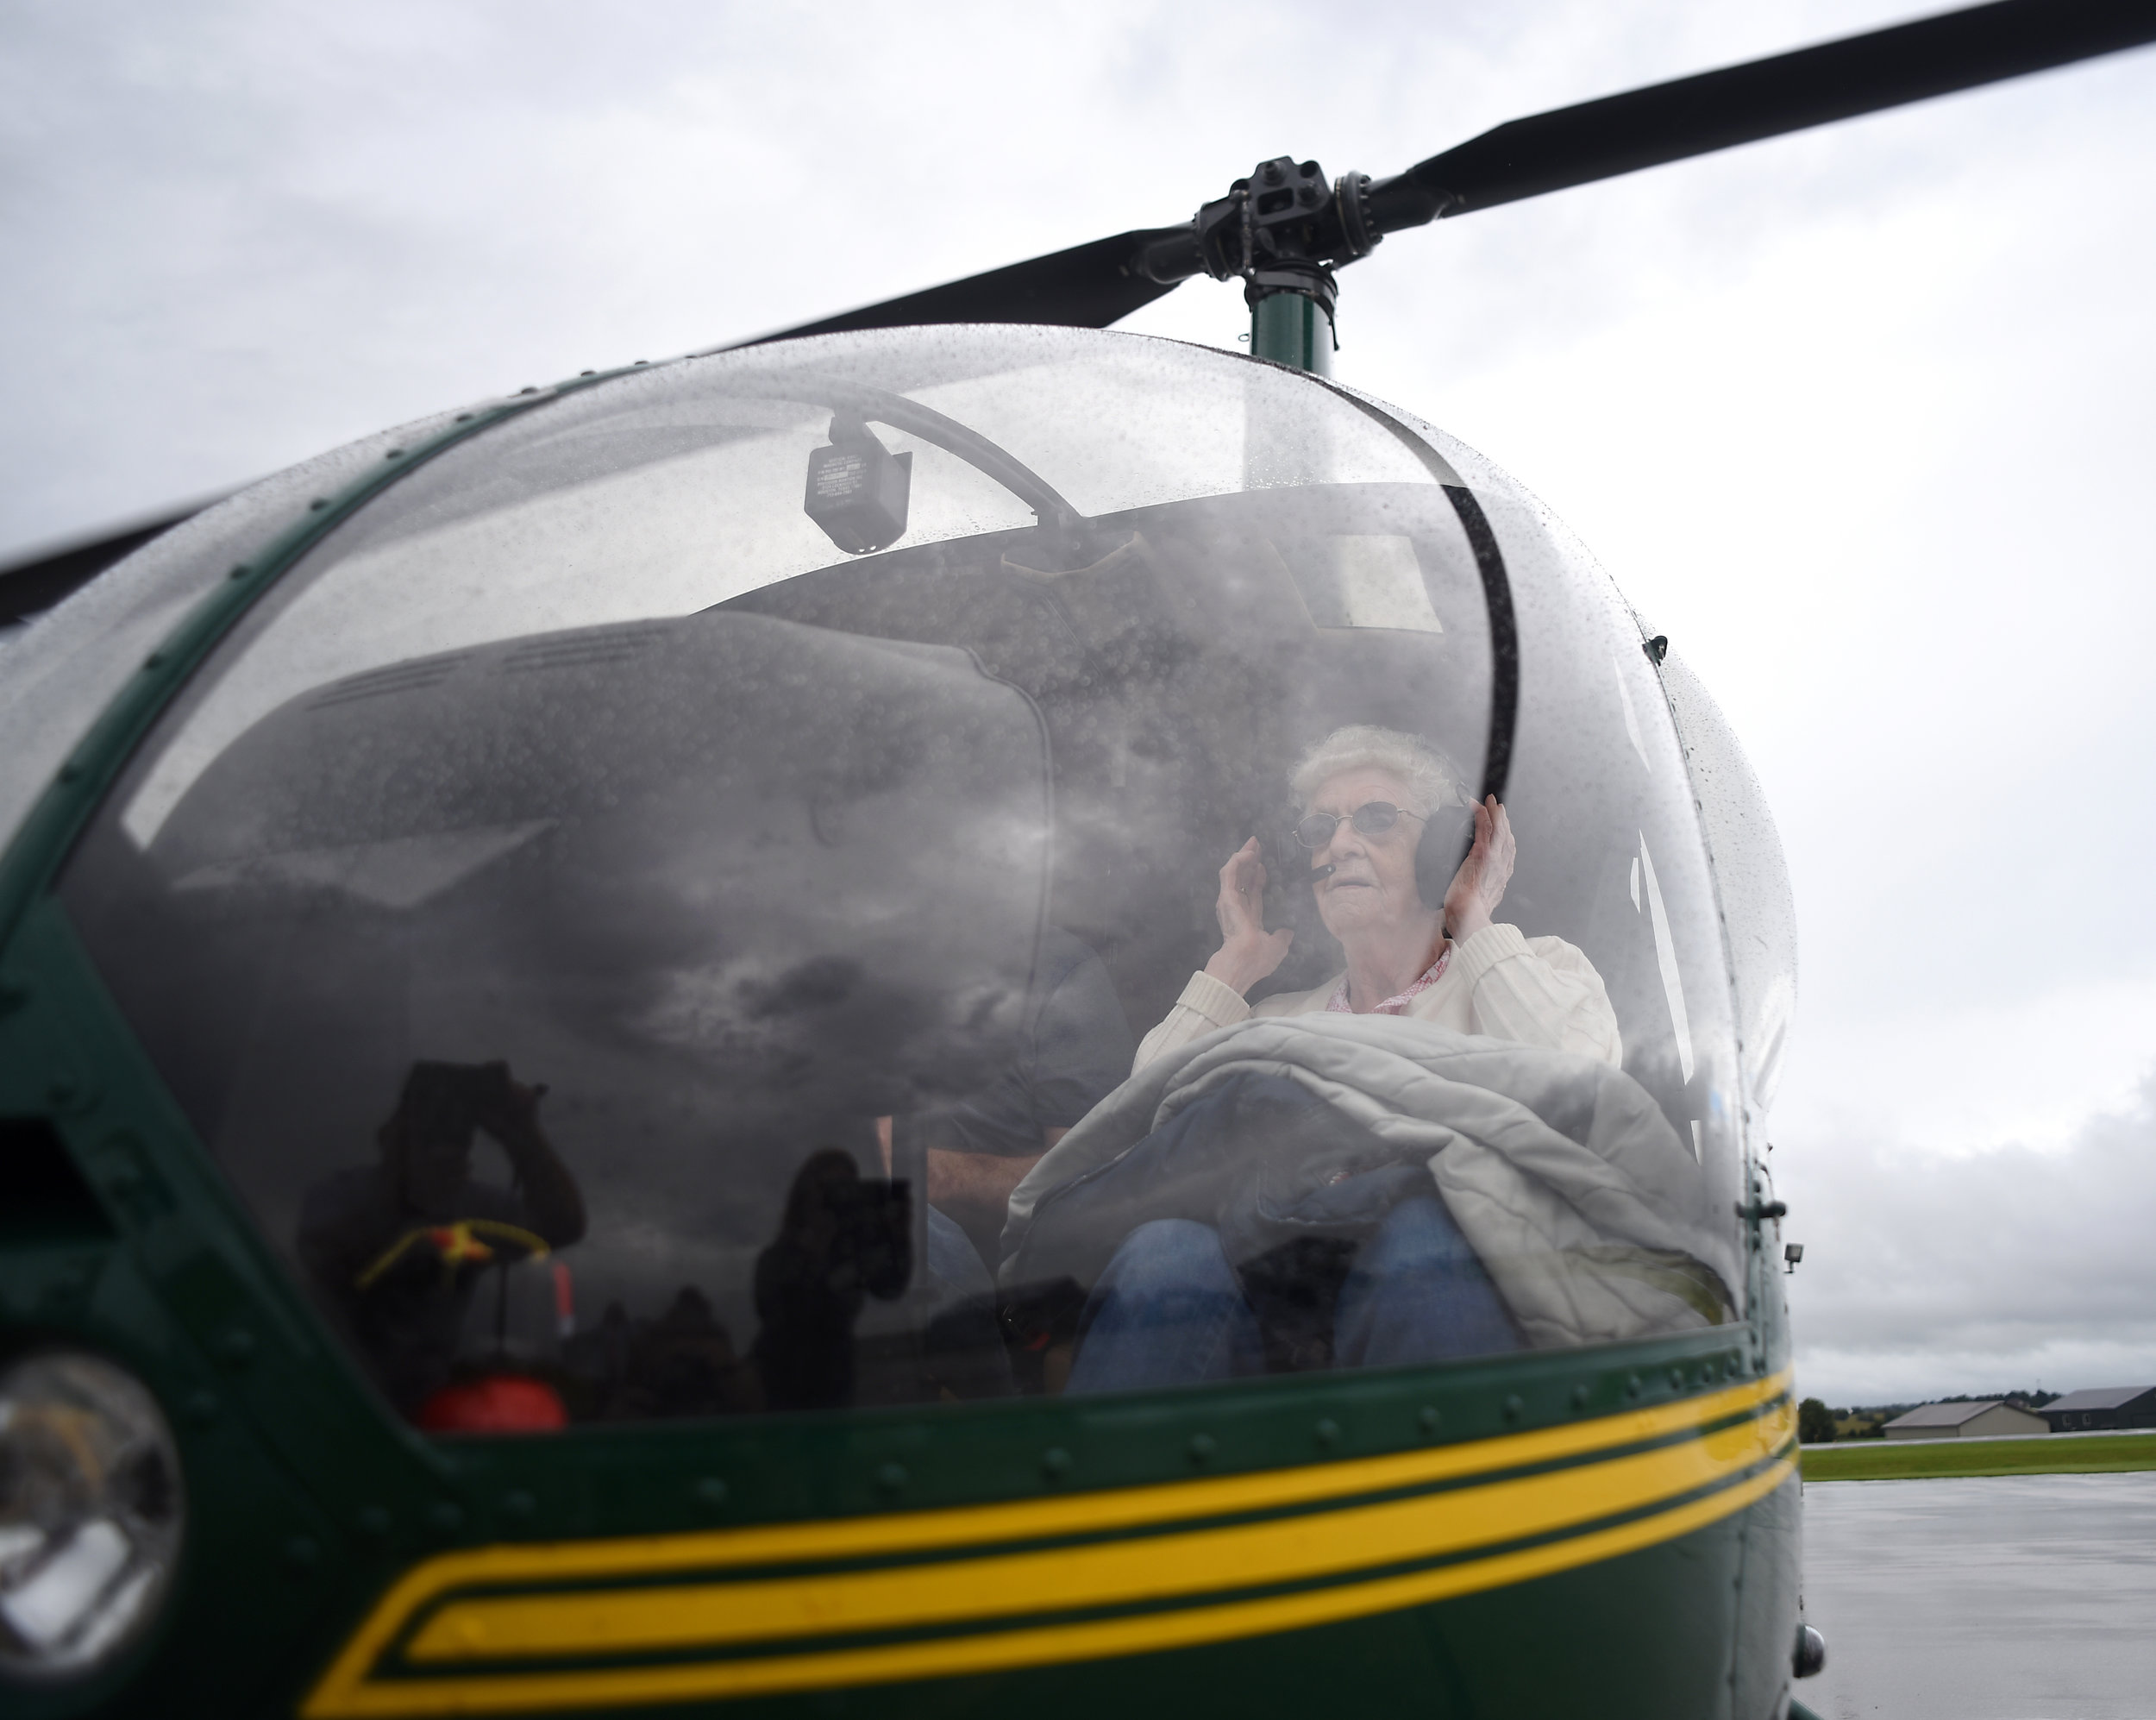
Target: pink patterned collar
1337	1003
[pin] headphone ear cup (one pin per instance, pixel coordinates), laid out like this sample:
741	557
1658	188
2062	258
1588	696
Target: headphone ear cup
1289	860
1448	834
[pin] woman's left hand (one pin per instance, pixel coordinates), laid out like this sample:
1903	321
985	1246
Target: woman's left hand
1470	901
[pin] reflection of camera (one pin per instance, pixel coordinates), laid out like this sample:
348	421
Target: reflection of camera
843	1237
843	1234
443	1102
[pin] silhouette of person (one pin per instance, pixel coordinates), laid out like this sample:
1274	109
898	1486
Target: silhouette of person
396	1248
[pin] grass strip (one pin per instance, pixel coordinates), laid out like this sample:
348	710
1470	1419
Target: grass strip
2041	1455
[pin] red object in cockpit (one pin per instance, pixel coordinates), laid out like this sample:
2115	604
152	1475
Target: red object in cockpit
499	1403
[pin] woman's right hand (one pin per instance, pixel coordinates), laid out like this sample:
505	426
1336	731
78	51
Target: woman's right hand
1248	951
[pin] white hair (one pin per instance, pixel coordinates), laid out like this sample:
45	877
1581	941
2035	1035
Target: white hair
1431	779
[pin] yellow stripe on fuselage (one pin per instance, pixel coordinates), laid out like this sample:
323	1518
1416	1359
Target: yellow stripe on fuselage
968	1577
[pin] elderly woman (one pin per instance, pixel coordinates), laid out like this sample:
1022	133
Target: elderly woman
1171	1308
1365	795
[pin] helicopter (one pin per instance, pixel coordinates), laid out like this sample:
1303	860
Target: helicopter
576	777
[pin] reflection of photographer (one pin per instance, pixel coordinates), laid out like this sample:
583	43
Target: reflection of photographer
397	1247
842	1238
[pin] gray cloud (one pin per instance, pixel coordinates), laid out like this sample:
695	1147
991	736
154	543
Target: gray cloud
1926	1272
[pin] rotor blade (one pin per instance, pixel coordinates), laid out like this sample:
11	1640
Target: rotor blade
1088	286
40	579
1765	99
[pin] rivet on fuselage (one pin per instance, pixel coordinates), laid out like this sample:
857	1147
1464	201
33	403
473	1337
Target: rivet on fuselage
1514	1409
1202	1446
1055	1463
1429	1420
70	1093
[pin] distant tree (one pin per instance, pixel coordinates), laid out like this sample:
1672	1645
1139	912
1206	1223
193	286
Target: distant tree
1814	1422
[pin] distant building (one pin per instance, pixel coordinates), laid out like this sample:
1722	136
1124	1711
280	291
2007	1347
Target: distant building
2103	1406
1963	1422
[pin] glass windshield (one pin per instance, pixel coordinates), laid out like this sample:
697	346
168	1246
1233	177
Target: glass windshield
930	866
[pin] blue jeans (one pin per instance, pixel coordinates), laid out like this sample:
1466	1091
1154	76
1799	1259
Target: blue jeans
953	1261
1169	1311
963	1343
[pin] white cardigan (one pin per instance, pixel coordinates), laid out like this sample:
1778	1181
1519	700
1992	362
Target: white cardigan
1535	991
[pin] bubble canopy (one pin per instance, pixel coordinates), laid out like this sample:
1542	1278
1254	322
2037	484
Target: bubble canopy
762	885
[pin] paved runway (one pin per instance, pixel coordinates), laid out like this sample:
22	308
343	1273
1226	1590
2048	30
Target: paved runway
2005	1598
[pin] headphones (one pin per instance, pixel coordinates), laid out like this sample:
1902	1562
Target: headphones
1448	835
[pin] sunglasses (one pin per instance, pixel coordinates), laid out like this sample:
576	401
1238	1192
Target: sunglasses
1374	818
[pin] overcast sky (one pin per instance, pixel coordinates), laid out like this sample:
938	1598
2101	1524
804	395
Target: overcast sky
1863	419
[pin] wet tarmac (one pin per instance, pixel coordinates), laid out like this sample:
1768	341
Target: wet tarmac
1998	1598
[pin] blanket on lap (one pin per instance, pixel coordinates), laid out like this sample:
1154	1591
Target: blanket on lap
1587	1210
